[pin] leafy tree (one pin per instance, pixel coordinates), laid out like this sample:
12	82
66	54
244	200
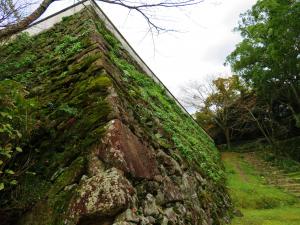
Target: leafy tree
213	102
228	90
232	111
268	56
251	118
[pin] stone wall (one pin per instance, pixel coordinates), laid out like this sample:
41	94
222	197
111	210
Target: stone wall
108	145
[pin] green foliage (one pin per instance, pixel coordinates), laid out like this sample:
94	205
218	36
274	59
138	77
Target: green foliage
13	59
69	92
215	115
24	62
15	122
72	110
69	46
268	57
67	109
152	102
285	156
19	44
33	189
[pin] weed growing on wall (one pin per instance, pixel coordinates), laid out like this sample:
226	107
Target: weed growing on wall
15	123
191	140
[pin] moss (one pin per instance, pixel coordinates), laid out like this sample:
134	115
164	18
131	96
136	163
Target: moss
193	142
66	79
59	203
99	83
83	64
51	211
69	176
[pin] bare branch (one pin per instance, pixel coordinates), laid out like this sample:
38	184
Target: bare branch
13	21
194	93
25	22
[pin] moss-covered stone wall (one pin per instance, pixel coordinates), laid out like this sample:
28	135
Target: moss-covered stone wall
108	145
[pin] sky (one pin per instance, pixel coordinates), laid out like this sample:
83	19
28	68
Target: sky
202	38
205	37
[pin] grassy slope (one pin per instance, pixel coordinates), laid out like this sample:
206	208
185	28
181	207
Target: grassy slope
260	204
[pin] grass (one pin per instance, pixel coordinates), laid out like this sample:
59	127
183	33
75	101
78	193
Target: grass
287	215
259	203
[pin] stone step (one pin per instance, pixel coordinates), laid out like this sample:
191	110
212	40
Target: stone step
289	185
274	176
293	190
281	181
272	171
277	177
284	183
293	173
289	180
289	189
268	169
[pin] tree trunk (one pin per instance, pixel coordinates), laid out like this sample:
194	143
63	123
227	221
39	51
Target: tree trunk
260	127
296	94
24	23
226	132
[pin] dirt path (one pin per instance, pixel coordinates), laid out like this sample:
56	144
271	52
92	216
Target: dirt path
230	155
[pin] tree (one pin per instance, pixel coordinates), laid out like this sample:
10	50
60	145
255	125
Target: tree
213	102
193	93
229	110
228	90
268	57
250	117
13	19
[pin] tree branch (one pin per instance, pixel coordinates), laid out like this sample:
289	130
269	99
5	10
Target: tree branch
139	6
25	22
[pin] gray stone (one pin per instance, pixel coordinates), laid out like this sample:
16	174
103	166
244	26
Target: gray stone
128	216
171	165
124	223
150	207
105	194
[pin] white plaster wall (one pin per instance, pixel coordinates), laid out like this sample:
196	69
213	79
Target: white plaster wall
48	23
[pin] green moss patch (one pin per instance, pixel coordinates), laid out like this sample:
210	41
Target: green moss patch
149	100
63	76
